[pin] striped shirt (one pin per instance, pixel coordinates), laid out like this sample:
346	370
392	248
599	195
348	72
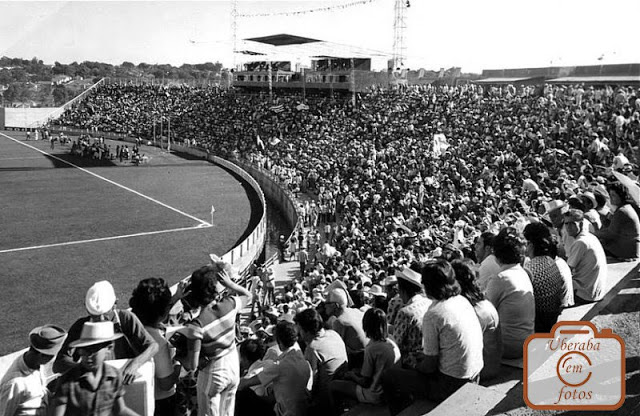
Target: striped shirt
215	326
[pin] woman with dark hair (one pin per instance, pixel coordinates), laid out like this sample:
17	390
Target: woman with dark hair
511	293
380	354
621	238
548	285
487	316
211	338
151	302
452	344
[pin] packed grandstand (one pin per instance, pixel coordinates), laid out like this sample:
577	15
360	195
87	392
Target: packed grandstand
482	200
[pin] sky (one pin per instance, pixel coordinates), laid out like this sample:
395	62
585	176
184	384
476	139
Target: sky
472	34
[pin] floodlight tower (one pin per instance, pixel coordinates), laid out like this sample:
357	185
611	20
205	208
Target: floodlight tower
399	27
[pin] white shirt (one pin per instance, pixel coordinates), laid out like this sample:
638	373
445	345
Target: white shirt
23	391
451	331
589	266
488	269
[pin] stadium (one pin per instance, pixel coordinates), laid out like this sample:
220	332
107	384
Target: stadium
310	234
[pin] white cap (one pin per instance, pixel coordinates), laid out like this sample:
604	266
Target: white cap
100	298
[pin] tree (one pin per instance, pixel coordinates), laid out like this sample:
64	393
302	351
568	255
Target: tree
60	94
43	94
127	65
17	92
5	76
59	69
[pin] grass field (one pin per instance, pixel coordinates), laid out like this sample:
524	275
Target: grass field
67	222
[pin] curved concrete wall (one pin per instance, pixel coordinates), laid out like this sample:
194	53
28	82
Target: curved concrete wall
282	197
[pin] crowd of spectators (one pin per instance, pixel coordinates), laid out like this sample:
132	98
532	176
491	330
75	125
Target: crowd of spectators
448	224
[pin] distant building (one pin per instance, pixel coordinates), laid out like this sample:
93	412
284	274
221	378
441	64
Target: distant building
60	79
596	75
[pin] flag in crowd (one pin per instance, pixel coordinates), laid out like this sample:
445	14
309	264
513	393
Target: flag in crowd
259	142
277	108
274	141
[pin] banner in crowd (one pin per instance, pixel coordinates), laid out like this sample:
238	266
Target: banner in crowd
440	144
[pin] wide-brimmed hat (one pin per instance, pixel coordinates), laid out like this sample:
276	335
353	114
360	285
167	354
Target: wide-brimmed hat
390	280
269	330
410	276
376	290
556	204
47	339
95	333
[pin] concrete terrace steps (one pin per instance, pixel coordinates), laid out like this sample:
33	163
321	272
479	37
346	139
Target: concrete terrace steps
505	392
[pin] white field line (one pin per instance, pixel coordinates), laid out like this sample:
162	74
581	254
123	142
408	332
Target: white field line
203	223
116	237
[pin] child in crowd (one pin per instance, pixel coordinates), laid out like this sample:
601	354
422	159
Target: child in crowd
380	354
92	388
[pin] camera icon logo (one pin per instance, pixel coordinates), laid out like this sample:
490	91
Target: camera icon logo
575	367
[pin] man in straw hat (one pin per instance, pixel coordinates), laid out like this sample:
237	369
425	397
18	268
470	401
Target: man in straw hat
23	389
100	302
92	387
407	329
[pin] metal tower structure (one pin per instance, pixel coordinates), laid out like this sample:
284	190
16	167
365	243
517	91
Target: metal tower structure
399	28
234	30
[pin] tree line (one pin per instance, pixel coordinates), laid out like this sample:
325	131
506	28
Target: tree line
24	80
23	70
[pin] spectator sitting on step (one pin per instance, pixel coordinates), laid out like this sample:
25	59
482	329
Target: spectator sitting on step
587	260
452	340
289	375
549	288
487	316
407	329
348	324
253	400
380	354
511	293
621	238
326	353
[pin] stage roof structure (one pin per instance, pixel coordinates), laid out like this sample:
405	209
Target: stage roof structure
291	47
283	39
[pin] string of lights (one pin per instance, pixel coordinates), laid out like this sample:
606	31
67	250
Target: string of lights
308	11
